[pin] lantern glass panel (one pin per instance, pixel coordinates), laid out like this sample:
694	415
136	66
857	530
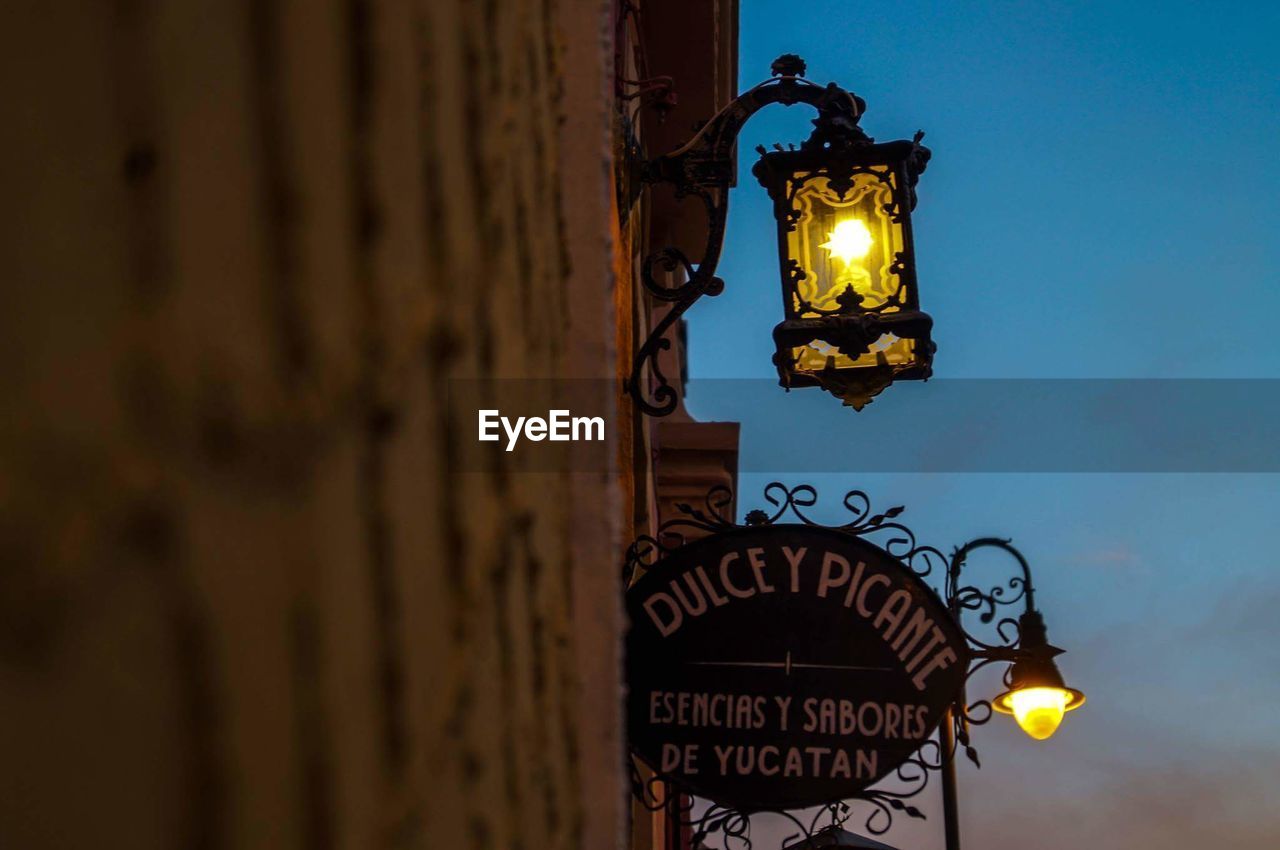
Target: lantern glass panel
845	241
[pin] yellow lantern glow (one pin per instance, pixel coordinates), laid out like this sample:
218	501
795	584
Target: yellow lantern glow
1037	695
1039	710
851	240
852	320
1039	699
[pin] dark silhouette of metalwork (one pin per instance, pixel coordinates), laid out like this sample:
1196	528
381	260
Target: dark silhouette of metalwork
1019	642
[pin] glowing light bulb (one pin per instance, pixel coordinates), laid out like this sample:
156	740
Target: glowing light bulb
1039	710
851	240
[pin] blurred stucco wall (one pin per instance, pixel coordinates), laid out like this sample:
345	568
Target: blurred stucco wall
247	598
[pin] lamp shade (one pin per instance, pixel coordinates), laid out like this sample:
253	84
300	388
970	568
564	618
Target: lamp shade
1037	697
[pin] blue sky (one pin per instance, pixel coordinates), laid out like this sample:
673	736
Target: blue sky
1102	203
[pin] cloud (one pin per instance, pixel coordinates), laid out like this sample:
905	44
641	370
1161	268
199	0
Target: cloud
1120	557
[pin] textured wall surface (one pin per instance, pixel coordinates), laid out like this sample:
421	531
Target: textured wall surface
248	596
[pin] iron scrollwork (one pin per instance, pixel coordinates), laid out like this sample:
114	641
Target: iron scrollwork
731	827
703	168
1008	645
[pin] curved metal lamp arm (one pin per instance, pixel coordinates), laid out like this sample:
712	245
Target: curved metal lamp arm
955	731
959	557
969	597
704	167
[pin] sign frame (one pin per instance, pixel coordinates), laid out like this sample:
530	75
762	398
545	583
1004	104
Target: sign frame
707	526
786	665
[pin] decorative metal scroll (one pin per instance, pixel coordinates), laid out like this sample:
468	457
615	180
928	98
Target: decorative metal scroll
726	827
703	168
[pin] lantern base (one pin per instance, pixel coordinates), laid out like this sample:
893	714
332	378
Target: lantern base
853	336
856	390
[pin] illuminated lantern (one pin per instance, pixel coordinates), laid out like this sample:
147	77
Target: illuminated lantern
1037	696
852	320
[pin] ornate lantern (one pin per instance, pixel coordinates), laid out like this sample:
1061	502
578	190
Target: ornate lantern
851	313
852	321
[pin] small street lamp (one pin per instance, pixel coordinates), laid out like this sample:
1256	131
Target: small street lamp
1036	694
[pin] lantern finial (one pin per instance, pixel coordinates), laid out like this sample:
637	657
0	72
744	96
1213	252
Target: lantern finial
788	65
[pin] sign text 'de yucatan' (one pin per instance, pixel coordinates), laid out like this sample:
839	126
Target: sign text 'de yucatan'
785	666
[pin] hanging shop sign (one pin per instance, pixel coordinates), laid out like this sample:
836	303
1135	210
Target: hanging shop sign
784	666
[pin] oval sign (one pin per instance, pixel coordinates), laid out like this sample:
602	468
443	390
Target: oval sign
785	666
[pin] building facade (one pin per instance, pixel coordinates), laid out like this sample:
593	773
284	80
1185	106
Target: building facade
253	594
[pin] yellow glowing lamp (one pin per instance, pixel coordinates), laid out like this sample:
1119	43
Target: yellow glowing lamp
849	241
1039	711
852	322
1038	698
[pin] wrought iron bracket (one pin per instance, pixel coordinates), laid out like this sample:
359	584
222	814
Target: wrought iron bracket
704	168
